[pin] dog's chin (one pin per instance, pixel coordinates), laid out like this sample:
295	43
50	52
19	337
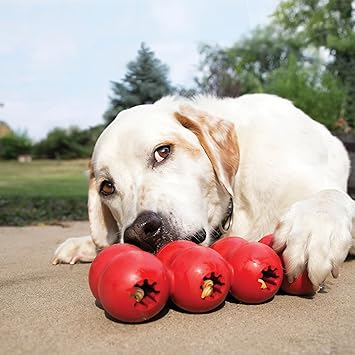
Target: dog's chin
155	244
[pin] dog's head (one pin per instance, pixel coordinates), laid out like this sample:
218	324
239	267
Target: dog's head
159	174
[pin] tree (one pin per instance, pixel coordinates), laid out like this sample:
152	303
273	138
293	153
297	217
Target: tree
310	88
329	24
4	129
245	66
14	144
271	60
146	81
69	143
217	75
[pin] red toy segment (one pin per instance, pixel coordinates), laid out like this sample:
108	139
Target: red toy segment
169	251
301	286
102	260
227	245
258	273
267	240
200	278
134	287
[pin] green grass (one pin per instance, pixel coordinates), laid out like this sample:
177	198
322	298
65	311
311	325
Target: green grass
42	191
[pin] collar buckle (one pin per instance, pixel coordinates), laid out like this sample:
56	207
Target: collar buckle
226	222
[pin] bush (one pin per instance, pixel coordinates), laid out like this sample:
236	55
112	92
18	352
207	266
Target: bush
314	90
15	211
71	143
14	144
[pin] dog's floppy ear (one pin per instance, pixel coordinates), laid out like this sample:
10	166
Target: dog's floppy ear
218	139
103	226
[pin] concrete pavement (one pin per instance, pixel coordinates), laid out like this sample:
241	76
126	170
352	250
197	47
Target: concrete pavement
49	309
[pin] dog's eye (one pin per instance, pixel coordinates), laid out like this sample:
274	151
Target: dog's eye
107	188
161	153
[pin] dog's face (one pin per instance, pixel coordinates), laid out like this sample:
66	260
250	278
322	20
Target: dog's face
159	174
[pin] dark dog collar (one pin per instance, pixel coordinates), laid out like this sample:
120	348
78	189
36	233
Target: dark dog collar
226	222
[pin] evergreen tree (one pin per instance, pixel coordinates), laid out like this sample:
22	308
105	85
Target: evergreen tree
146	81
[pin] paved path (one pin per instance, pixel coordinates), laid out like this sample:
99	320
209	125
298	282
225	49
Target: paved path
48	309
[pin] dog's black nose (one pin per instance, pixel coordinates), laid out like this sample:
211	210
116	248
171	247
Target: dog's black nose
144	231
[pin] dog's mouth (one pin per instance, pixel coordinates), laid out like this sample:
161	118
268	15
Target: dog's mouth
153	246
163	237
151	231
143	245
198	238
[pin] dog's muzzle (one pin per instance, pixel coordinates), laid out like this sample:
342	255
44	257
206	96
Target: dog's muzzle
145	231
149	232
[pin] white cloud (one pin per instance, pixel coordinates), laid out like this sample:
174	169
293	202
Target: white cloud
182	58
259	15
11	39
6	45
173	17
43	2
51	50
36	48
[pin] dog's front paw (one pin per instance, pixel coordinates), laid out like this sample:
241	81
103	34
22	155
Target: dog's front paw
75	249
316	234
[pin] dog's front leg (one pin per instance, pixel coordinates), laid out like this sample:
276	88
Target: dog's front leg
73	250
316	233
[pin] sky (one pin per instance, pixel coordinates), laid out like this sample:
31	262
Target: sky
57	57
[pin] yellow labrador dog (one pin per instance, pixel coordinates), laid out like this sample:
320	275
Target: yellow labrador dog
204	168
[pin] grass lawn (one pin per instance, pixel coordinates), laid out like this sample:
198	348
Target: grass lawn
42	191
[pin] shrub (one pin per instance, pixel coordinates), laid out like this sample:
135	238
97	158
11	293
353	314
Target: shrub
14	144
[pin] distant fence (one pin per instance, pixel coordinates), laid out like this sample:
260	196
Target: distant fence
349	142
